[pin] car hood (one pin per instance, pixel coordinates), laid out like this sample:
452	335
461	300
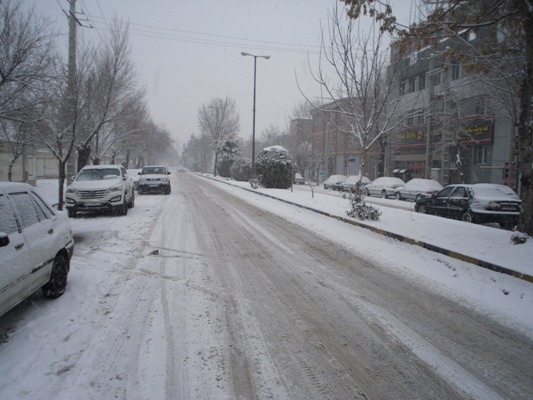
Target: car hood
95	185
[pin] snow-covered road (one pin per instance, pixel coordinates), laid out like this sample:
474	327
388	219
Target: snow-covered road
201	295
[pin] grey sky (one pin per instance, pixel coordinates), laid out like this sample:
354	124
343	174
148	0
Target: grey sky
188	51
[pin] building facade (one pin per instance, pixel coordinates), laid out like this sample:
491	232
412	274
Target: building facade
453	129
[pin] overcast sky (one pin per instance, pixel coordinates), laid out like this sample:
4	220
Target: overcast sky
188	52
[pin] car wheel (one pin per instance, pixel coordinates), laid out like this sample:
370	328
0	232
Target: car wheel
168	190
508	224
398	196
131	204
71	213
467	217
421	209
55	287
325	187
384	194
366	192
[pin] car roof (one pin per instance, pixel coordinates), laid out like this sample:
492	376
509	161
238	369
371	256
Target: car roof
9	186
103	166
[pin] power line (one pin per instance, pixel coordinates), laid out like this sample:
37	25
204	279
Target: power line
211	39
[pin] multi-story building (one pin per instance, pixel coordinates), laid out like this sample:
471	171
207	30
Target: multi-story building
337	150
453	129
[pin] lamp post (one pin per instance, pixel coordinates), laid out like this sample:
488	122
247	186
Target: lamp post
253	120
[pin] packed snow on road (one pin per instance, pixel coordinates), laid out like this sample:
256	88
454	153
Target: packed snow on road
215	292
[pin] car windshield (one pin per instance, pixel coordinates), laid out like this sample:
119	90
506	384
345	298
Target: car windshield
98	174
153	170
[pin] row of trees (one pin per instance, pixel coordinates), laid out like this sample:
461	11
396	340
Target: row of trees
94	109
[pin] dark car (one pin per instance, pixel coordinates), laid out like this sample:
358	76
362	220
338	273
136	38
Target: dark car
479	203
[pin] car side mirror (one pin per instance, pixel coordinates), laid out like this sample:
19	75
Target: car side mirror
4	239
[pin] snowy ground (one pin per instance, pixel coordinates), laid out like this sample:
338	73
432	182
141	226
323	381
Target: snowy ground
49	348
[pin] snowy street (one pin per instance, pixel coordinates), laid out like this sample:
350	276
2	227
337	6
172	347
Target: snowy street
202	294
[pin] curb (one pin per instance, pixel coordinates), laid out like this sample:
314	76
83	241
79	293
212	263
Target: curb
401	238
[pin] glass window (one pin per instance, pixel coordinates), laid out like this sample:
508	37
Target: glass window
422	81
456	70
25	209
42	208
412	81
459	192
8	223
445	192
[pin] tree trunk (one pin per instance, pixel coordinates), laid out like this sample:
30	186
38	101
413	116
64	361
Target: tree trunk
525	223
84	153
62	177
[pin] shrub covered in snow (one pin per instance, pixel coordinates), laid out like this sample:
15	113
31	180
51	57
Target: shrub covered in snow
227	154
363	211
274	166
241	170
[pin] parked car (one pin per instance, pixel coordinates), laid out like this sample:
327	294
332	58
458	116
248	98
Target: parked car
134	174
384	186
36	245
154	178
479	203
100	188
349	184
299	179
416	188
334	182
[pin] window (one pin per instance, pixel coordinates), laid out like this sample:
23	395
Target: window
402	88
422	81
420	118
8	223
25	209
456	71
459	192
413	58
482	105
436	78
412	81
445	192
480	155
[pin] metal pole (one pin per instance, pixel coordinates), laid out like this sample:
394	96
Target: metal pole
253	120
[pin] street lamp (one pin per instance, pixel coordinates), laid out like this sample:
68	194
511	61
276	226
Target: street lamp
253	121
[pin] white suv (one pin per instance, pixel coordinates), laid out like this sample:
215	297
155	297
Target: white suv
100	188
154	178
36	246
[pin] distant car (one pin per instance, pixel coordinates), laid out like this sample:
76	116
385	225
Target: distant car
479	203
134	174
36	245
416	188
349	184
384	186
154	178
334	182
299	179
100	188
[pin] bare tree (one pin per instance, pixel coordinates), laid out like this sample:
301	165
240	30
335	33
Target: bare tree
219	120
361	102
26	71
111	90
272	135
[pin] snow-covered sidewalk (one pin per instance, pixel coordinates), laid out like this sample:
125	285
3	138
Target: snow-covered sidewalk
489	245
